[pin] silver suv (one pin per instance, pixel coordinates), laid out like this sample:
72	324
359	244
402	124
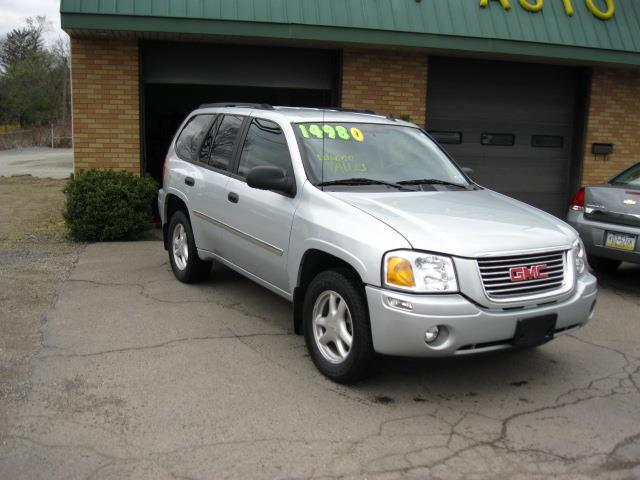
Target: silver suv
383	244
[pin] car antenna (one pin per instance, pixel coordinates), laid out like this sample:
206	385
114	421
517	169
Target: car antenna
322	158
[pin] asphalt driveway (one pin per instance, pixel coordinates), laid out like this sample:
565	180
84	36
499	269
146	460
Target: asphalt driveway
140	376
40	162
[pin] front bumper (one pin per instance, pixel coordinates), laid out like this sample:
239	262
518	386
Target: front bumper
593	234
468	328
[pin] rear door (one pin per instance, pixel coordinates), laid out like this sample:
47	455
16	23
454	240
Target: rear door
215	160
260	221
200	185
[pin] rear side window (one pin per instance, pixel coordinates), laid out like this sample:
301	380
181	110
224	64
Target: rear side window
191	137
265	145
628	177
222	148
207	144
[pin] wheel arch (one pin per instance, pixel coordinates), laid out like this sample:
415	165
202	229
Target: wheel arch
172	204
312	263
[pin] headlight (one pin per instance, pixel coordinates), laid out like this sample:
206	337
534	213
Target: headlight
419	272
579	257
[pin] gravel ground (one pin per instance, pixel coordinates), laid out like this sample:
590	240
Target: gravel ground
35	257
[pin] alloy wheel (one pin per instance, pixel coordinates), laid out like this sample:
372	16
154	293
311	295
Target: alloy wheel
332	326
180	247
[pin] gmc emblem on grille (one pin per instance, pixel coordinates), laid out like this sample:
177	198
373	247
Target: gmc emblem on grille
520	274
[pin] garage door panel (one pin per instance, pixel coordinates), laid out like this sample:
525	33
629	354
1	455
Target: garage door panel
532	105
508	177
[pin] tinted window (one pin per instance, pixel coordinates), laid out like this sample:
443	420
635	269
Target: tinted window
547	141
222	149
447	137
191	137
207	144
498	139
265	145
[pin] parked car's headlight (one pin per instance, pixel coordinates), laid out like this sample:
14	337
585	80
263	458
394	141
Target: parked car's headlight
580	257
419	272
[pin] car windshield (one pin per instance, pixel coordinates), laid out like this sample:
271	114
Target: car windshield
366	154
629	177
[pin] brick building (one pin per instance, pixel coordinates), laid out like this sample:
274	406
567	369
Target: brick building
518	90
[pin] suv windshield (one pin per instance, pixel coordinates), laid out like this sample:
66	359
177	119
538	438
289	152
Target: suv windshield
629	177
366	153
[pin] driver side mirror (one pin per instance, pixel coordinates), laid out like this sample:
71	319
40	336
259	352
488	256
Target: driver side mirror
271	178
468	172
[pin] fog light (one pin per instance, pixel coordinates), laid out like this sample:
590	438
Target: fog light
401	304
431	334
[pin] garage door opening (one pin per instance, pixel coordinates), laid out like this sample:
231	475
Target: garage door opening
168	105
177	78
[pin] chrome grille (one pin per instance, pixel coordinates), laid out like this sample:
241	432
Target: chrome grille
496	276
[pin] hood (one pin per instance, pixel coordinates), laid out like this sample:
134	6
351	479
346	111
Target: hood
464	223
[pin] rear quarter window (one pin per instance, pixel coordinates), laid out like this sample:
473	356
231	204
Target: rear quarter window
191	137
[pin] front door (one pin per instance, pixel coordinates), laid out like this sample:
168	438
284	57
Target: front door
260	221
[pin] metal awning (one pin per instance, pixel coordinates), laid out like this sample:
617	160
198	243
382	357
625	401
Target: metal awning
461	26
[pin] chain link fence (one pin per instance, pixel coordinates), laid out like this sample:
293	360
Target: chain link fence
54	136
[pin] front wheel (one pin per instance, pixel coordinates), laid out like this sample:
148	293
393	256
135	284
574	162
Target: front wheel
183	254
336	326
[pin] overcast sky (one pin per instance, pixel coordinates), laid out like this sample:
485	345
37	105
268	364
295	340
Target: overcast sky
13	13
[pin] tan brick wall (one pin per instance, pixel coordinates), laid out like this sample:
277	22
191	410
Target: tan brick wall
105	92
386	81
614	117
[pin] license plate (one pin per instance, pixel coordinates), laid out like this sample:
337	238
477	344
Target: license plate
534	331
621	241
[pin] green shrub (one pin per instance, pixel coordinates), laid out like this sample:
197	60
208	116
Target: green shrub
104	205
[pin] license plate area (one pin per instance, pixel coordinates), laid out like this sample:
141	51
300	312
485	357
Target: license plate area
534	331
621	241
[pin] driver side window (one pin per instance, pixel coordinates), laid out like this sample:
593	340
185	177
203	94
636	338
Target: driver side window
265	145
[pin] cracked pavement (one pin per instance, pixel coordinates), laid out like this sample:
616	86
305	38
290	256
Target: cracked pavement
140	376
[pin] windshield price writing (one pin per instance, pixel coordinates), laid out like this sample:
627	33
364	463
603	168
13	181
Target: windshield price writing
331	132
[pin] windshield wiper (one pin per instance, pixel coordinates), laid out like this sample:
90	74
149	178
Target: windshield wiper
364	181
432	181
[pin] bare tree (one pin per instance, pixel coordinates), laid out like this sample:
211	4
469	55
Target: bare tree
19	43
61	51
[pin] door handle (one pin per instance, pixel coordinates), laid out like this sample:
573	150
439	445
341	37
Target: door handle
189	181
233	197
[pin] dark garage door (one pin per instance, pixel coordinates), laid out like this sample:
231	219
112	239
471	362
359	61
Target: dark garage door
514	124
178	77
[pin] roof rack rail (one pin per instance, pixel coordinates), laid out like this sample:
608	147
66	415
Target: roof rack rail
261	106
356	110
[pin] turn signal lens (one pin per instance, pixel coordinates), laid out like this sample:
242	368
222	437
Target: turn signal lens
399	272
419	272
577	202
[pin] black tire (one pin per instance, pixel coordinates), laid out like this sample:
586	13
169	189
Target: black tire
194	269
360	356
603	265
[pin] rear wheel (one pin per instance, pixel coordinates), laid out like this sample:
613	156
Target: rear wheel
183	255
603	265
336	326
